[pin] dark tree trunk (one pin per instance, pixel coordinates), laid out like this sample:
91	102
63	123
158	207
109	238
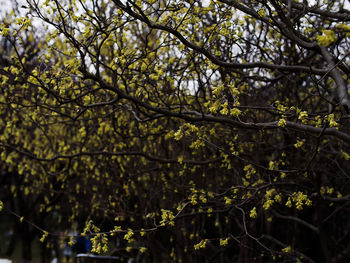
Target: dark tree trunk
12	243
26	238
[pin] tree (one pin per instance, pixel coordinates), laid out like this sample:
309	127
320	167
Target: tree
193	131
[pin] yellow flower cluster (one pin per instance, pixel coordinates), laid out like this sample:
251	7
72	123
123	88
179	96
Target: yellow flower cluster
299	200
282	123
262	12
271	197
344	27
287	249
250	170
345	155
186	129
224	241
327	38
201	244
235	112
44	236
142	249
332	122
228	200
303	116
129	235
328	190
253	213
167	218
4	30
99	244
299	143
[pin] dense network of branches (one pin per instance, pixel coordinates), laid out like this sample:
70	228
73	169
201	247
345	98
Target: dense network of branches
189	131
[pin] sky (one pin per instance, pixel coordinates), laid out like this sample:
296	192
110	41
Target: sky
6	5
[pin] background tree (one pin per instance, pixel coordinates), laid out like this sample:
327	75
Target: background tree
189	130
